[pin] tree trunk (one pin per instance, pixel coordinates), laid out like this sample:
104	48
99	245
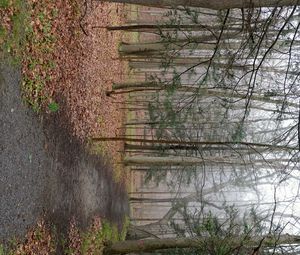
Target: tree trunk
182	161
149	245
146	86
211	4
207	143
146	231
158	47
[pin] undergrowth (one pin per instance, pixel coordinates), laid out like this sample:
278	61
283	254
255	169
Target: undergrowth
44	240
27	39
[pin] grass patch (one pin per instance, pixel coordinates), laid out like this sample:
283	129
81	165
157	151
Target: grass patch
2	249
4	3
53	107
40	44
27	39
44	239
91	242
14	18
39	239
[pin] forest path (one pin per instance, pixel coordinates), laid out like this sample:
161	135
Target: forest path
45	172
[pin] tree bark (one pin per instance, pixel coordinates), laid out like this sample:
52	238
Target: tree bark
208	143
157	47
211	4
146	231
182	161
149	245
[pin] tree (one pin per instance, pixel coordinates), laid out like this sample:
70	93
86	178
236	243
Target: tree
211	4
151	245
215	109
198	143
208	235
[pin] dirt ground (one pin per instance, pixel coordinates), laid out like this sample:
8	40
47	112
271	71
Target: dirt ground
45	169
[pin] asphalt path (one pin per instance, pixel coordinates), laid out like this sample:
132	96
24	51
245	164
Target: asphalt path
45	172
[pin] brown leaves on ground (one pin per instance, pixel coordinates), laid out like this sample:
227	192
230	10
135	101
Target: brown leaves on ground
87	66
39	241
38	62
68	61
42	241
70	58
90	242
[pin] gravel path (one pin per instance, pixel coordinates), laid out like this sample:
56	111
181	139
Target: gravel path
46	172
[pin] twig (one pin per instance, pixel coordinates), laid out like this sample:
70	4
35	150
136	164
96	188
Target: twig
82	17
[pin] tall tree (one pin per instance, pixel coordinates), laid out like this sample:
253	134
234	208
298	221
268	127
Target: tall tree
151	245
211	4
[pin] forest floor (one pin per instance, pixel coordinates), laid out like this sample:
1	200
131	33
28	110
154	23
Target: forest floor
64	61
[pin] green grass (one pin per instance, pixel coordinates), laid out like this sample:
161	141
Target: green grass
4	3
125	227
14	40
9	248
1	249
43	43
93	241
53	107
22	44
